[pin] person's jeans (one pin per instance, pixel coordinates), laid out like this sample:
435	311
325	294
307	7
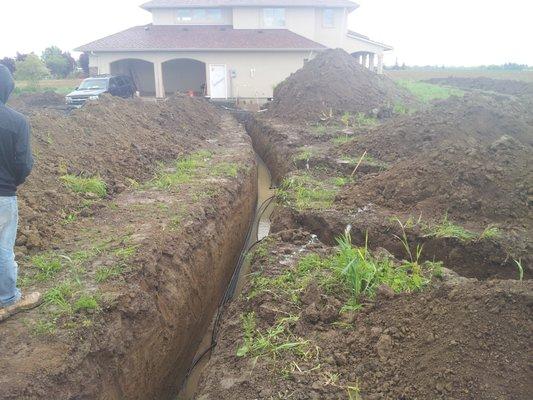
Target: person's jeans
9	293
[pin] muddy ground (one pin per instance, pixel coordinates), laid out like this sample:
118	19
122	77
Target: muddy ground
441	191
132	276
459	339
504	86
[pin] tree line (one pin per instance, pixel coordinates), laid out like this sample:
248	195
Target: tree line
53	63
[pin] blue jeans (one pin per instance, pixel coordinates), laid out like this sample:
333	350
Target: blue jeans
9	293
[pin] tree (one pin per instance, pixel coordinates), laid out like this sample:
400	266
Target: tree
9	63
84	63
58	62
31	69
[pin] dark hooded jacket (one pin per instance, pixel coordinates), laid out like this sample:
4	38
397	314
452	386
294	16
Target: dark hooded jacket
16	159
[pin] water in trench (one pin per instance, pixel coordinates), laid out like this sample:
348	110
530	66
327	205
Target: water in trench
260	229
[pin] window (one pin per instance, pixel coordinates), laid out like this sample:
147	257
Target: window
274	17
328	18
184	15
199	15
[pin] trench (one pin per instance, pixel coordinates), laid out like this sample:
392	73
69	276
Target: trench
259	229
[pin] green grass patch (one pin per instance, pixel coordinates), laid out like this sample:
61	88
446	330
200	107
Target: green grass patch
226	169
490	232
427	92
351	273
48	265
78	184
85	303
272	342
447	229
305	192
343	139
103	274
184	170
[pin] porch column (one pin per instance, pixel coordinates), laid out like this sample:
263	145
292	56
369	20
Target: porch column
159	87
365	60
371	62
380	64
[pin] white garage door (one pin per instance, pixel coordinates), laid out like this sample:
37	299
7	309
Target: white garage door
218	81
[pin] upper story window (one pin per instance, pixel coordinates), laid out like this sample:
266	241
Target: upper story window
274	17
199	15
328	18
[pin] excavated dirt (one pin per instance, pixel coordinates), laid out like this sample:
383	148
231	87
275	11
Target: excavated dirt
120	141
460	339
130	286
29	102
468	157
332	84
505	86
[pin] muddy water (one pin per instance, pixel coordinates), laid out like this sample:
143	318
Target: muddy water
260	229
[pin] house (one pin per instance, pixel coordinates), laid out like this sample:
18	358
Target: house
229	48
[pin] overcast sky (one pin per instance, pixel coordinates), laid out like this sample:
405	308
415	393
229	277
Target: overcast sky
451	32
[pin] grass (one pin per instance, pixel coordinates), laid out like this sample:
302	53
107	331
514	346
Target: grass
447	229
343	139
359	120
352	273
226	169
303	155
427	92
85	303
428	73
105	273
184	171
48	264
490	232
275	340
305	192
92	185
520	269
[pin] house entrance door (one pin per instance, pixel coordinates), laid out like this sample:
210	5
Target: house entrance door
218	81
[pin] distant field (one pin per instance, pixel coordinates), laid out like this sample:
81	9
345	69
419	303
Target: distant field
419	75
61	86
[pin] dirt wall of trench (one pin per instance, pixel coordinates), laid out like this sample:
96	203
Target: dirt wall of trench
141	340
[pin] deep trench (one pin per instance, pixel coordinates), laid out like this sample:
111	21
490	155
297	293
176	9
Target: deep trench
258	230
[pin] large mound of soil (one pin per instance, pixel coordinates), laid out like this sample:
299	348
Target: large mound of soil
119	140
335	83
505	86
468	157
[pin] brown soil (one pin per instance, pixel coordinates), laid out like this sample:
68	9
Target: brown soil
119	140
505	86
169	252
465	157
28	102
334	82
460	339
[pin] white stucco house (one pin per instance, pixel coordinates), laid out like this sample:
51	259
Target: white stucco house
229	48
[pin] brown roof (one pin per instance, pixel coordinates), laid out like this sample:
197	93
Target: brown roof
195	37
248	3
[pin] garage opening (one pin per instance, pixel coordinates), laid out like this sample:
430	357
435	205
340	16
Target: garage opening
141	71
184	75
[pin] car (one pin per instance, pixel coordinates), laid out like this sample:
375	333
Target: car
92	88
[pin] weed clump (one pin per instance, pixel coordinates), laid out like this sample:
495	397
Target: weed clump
86	186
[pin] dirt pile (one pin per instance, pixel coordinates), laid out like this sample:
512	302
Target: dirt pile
26	102
115	140
460	339
504	86
330	85
468	157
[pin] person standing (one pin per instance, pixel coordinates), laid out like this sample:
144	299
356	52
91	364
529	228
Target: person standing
16	162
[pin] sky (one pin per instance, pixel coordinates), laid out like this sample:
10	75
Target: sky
422	32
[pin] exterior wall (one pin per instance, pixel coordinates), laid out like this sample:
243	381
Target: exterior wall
169	17
305	21
250	74
352	45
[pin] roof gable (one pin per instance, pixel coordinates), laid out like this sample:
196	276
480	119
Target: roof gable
249	3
